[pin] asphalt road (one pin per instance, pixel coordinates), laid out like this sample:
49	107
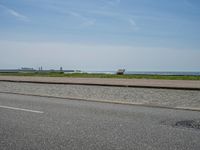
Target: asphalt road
35	123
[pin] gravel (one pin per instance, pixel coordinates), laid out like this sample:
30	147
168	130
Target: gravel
148	96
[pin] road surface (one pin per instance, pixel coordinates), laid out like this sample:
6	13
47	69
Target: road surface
35	123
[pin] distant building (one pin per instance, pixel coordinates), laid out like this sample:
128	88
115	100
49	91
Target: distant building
26	70
23	68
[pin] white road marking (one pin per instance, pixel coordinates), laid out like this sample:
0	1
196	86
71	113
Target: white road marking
28	110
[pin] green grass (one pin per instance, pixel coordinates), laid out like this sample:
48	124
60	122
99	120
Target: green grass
86	75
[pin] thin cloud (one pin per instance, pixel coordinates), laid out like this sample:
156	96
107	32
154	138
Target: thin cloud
187	3
75	14
115	15
86	22
114	2
17	15
14	13
110	3
106	13
133	24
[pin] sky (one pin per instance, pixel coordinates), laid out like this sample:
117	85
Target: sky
101	35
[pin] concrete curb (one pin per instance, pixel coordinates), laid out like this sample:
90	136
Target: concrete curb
111	85
109	102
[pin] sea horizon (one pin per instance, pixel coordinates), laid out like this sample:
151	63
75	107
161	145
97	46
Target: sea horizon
195	73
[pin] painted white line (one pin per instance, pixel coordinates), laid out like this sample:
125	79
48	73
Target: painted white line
28	110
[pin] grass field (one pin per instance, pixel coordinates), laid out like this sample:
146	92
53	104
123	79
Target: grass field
86	75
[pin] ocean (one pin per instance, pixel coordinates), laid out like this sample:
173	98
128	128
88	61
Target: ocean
149	73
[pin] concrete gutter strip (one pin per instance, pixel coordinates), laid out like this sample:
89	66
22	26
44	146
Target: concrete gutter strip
143	83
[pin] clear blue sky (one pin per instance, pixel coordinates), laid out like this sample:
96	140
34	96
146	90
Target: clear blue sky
138	35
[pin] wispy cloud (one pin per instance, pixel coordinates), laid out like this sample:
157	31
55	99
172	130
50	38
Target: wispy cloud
85	22
187	3
106	13
77	14
133	24
123	17
17	15
88	23
113	2
14	13
110	3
